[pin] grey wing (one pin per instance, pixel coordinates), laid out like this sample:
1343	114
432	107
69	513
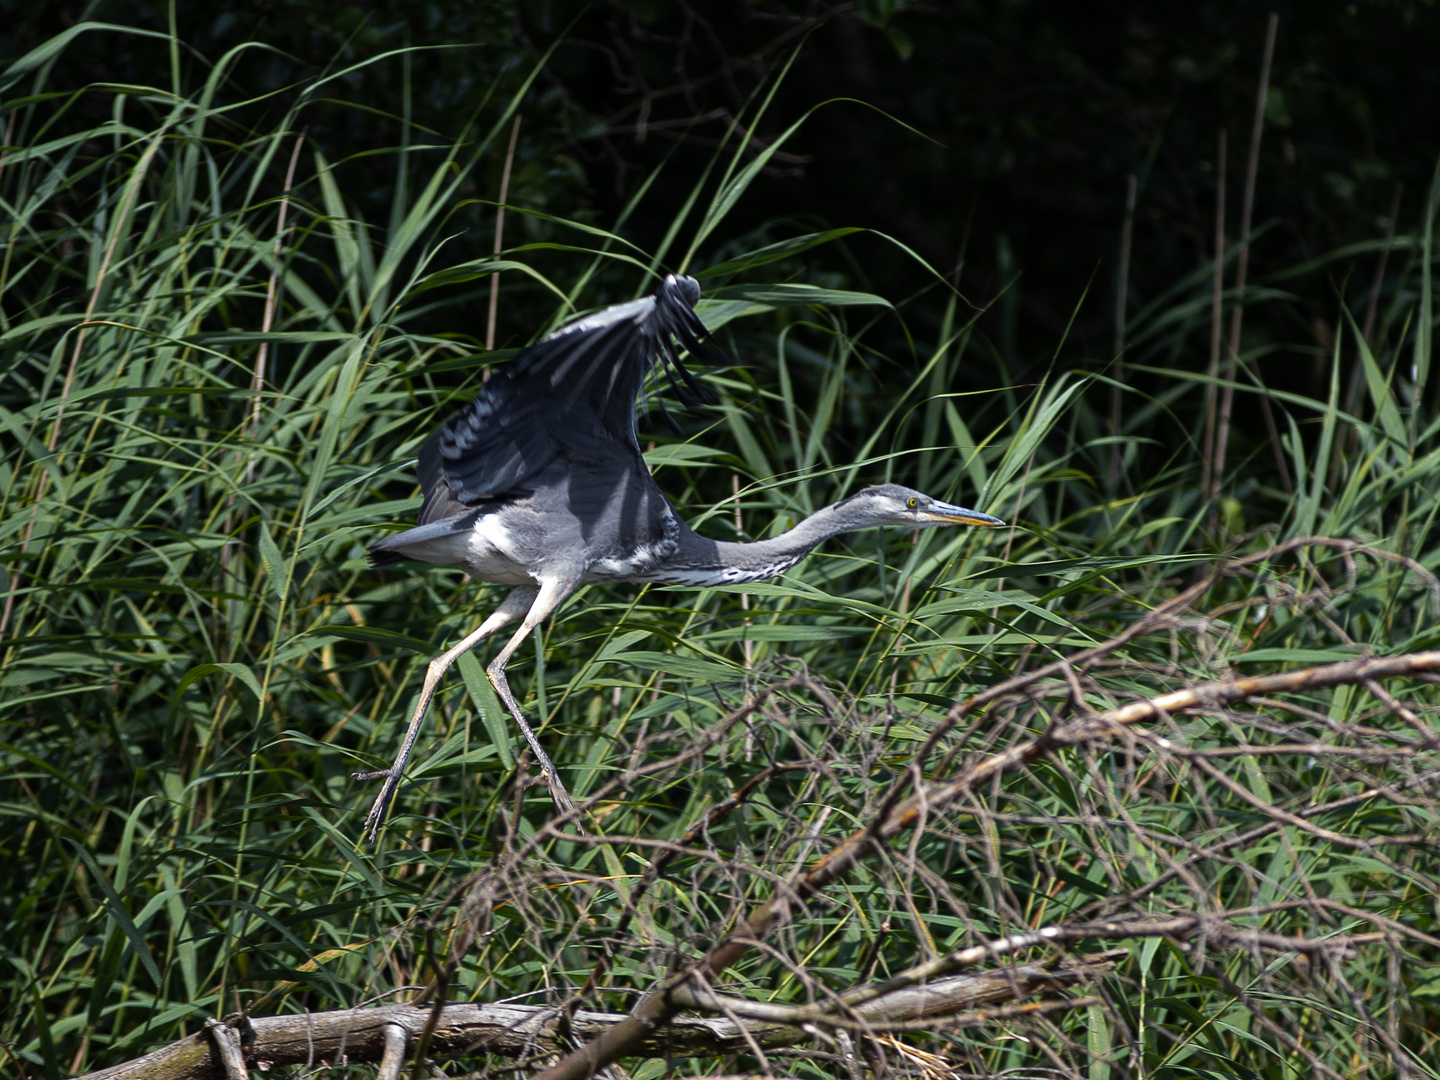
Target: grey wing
567	401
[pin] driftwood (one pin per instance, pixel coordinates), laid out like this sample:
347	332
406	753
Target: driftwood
534	1031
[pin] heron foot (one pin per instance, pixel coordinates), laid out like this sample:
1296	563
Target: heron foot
559	796
381	806
392	776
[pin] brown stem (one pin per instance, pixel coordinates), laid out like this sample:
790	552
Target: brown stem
1210	475
500	236
1357	374
257	380
1242	266
1122	288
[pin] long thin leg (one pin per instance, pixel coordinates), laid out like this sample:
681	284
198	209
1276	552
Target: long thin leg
552	594
520	600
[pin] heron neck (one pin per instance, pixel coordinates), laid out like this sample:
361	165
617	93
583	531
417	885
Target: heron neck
698	560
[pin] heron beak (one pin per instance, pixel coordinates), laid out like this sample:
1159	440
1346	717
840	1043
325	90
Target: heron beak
944	514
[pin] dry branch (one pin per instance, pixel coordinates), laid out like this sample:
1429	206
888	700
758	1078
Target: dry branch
524	1031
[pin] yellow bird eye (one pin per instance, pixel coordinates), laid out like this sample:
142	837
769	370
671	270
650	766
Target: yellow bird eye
913	503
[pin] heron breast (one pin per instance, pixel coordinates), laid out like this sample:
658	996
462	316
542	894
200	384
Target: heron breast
636	564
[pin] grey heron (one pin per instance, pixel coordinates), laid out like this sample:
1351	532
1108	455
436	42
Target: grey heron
539	484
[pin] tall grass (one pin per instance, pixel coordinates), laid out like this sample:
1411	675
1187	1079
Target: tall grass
215	373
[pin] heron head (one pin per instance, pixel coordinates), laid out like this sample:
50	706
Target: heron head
892	504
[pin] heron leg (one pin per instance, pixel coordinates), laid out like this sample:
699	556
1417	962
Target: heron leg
552	594
520	600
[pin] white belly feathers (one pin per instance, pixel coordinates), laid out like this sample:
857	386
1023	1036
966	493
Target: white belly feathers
490	553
